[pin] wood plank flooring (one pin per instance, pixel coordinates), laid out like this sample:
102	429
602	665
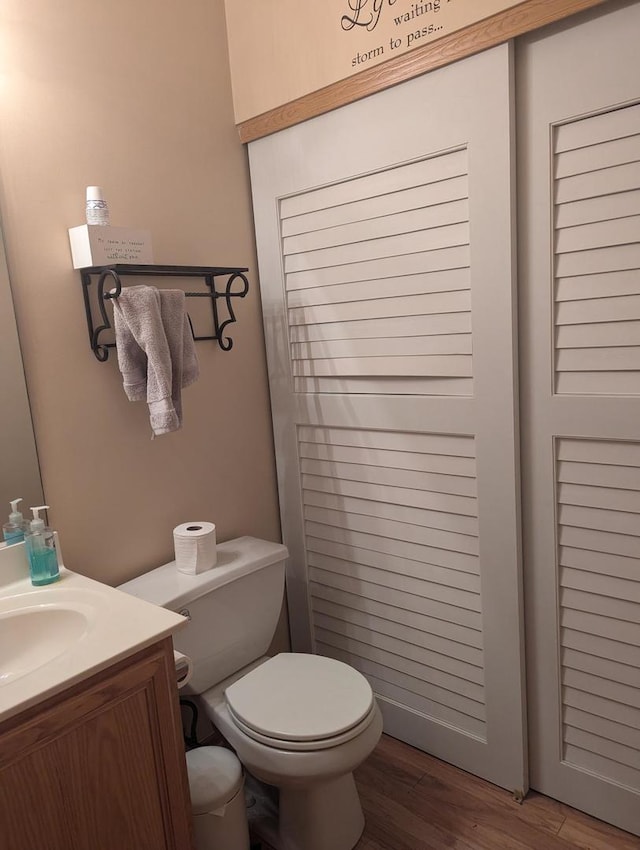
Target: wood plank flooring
415	802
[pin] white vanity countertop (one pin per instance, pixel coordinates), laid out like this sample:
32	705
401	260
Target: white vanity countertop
54	636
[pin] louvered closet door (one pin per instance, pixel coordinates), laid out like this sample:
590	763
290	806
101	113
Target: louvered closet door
579	97
384	238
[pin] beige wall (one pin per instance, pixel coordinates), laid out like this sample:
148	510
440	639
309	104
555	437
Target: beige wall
134	97
282	51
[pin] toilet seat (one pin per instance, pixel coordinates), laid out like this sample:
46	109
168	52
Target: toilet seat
296	701
305	746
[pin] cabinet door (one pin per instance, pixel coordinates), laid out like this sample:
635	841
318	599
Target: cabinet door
384	235
100	769
579	113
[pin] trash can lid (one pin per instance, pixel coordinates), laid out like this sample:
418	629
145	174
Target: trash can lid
215	777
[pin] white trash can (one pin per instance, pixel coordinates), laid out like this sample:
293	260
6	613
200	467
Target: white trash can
216	784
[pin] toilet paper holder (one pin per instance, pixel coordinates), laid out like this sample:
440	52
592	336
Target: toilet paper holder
184	668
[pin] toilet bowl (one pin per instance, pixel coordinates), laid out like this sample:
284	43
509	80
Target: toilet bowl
299	722
302	723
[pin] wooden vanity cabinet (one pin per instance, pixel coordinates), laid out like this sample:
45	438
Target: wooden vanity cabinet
100	766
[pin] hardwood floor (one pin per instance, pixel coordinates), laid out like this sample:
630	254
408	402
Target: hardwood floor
412	801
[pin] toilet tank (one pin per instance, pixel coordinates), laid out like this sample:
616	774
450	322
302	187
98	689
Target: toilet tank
233	609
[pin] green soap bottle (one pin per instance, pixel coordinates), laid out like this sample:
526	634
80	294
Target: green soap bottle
41	550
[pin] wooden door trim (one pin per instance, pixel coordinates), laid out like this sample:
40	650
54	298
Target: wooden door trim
499	28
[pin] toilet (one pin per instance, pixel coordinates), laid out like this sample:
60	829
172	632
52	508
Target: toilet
299	722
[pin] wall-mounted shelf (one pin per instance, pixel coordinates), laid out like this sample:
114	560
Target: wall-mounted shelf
111	277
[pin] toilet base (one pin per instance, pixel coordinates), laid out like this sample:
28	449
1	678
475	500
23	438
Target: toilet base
321	816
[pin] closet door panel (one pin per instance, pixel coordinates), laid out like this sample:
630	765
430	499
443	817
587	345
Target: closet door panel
580	328
385	251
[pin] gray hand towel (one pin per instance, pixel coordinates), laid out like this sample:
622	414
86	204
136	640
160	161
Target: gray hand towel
156	353
182	350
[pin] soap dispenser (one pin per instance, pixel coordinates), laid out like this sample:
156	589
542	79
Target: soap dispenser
41	550
13	530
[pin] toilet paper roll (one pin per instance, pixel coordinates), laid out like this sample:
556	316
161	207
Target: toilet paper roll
195	547
184	668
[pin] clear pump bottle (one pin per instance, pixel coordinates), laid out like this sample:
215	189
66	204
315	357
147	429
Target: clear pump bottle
13	531
41	550
96	206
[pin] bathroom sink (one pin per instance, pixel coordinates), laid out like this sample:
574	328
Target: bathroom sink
53	637
34	635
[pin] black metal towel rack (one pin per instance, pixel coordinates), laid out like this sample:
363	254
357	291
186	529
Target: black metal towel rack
114	273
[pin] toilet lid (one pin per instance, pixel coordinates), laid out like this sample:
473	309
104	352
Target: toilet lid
300	697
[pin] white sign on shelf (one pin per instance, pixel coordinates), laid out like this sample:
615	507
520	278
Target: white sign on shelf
100	245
